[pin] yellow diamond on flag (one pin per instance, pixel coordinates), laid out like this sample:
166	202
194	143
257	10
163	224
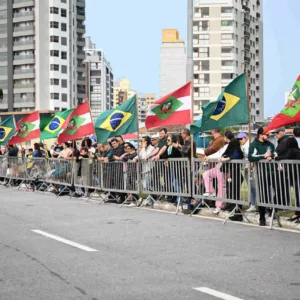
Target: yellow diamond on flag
116	120
55	125
5	131
224	106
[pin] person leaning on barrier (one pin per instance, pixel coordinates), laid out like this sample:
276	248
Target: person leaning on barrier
282	193
262	149
121	142
160	151
154	142
83	154
186	146
216	144
216	173
293	173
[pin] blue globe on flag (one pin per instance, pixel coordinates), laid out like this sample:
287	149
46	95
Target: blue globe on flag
116	120
2	133
55	123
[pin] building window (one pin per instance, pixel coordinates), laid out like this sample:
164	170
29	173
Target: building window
227	51
204	91
226	23
54	39
54	67
54	10
98	80
204	12
204	52
63	1
54	81
204	65
227	76
54	24
204	79
227	37
64	83
204	39
63	12
54	53
226	10
64	97
63	26
63	41
204	25
64	69
54	96
63	55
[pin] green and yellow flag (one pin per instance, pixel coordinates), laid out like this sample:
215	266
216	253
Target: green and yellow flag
7	130
230	109
52	127
118	121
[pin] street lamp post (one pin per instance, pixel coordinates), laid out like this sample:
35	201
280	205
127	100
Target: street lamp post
190	62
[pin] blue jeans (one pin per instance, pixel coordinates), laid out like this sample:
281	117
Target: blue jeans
252	187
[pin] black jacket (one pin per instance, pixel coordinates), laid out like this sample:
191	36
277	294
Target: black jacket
282	146
175	153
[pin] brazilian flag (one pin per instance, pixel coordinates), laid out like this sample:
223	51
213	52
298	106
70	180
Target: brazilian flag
118	121
7	130
230	109
52	126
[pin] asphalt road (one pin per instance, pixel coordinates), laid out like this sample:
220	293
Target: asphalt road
141	254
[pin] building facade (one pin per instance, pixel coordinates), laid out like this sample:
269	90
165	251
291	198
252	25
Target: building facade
122	91
173	61
227	40
99	80
41	54
144	101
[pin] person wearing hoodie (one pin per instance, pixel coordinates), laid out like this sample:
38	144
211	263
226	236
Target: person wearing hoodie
263	150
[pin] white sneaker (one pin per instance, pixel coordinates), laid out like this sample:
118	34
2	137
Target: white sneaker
132	204
251	208
217	210
209	195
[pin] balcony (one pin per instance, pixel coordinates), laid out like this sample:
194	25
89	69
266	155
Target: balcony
80	28
23	28
257	39
24	102
247	58
81	42
247	46
24	45
247	33
23	59
246	20
23	17
80	15
257	27
81	54
23	71
81	80
257	15
257	100
23	3
24	86
258	2
257	76
80	3
257	52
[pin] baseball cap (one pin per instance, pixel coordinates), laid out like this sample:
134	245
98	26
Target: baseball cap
242	135
154	138
279	129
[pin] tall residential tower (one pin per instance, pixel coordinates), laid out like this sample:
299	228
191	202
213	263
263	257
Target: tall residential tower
228	39
41	54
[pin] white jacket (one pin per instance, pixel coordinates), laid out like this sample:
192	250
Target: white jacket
219	153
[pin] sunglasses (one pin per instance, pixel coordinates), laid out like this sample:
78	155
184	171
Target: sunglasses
169	140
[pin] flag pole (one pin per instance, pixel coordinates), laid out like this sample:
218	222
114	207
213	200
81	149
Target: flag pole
138	146
192	118
249	109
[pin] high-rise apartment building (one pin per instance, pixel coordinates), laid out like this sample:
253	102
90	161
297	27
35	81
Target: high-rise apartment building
172	62
122	91
41	54
100	80
228	39
144	101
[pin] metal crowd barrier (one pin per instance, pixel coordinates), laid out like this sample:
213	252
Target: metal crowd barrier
3	169
120	177
170	177
278	185
224	182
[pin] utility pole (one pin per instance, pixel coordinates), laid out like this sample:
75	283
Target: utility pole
190	62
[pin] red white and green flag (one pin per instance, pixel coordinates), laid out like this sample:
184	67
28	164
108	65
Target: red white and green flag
172	109
80	124
27	129
291	112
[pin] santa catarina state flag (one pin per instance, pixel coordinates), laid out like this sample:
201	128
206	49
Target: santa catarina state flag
291	112
172	109
27	129
80	124
118	121
7	130
57	123
230	109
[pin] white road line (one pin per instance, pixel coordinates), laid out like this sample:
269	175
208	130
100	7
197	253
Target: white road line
57	238
216	293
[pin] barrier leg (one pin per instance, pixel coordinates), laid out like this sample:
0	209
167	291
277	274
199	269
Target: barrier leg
179	203
272	219
236	211
63	190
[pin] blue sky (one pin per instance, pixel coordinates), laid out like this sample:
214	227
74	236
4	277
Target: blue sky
130	34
